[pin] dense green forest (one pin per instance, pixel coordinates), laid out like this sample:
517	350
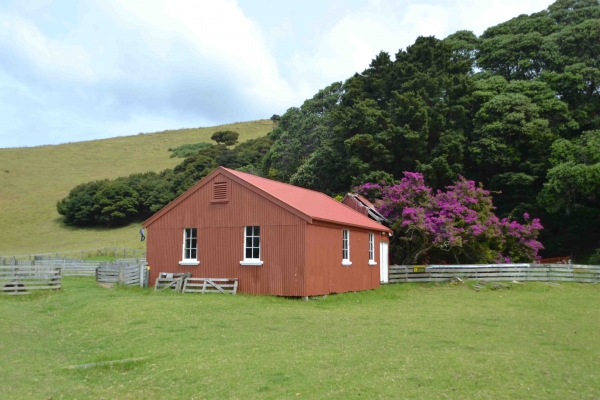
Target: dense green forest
515	109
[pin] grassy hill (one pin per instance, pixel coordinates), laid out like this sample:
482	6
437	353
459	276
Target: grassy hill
33	179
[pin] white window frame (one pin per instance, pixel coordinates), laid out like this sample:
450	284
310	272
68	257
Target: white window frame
252	261
372	249
346	247
186	239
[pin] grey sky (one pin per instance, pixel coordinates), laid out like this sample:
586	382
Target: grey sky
77	70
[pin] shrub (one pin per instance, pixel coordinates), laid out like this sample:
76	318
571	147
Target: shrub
186	150
595	258
457	225
228	138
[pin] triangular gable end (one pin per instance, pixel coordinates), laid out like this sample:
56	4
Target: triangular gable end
221	170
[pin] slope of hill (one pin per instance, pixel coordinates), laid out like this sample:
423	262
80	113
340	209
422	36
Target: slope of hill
33	179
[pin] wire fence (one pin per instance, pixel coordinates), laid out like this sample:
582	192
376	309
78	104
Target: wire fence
82	254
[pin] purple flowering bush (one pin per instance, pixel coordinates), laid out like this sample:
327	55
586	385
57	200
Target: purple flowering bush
454	226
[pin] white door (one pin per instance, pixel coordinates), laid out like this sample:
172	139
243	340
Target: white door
383	262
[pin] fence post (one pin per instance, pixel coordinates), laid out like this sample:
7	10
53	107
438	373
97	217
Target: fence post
141	274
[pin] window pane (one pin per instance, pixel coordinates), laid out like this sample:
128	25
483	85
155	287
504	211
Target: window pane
248	231
194	232
248	242
193	243
256	253
193	253
186	253
256	242
257	231
248	253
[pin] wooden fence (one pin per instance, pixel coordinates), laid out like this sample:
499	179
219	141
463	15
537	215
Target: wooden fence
120	272
77	254
72	268
171	281
184	283
210	285
69	267
17	280
495	272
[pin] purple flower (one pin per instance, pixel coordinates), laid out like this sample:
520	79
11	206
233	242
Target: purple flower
460	220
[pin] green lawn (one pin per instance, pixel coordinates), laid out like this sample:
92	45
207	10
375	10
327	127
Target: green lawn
401	341
33	179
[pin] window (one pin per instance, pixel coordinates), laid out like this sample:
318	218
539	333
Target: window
372	249
190	247
346	247
251	246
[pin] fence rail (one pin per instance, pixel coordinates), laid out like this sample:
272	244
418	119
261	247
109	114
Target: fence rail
122	272
495	272
80	254
210	285
18	280
68	267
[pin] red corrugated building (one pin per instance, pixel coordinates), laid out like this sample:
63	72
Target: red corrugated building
275	238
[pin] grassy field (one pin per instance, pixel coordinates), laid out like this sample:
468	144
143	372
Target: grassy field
533	341
33	179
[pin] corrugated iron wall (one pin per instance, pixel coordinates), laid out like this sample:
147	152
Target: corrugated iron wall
355	205
221	241
324	270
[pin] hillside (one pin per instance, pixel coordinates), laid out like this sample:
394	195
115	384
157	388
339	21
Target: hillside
33	179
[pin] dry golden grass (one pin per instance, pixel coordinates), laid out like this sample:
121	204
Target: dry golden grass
33	179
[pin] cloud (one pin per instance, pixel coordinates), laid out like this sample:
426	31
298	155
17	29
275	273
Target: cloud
390	25
171	63
73	70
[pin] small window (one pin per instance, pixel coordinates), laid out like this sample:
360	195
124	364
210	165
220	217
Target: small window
251	246
190	247
220	192
346	247
372	249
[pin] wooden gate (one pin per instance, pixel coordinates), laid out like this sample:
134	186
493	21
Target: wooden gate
210	285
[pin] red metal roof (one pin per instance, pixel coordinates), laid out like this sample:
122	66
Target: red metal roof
317	205
306	203
365	201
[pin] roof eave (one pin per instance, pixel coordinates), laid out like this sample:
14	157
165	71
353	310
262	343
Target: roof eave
381	228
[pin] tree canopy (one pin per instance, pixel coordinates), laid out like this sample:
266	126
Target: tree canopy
516	109
228	138
495	109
